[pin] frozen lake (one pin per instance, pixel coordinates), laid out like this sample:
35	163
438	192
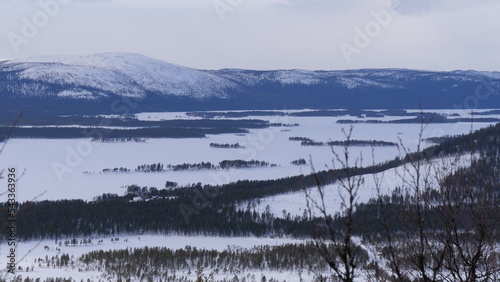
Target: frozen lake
70	168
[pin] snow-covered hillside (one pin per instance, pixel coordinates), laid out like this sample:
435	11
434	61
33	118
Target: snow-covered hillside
294	204
102	76
32	251
123	74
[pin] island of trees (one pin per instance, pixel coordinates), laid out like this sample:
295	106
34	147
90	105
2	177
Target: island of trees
226	146
300	161
159	167
304	141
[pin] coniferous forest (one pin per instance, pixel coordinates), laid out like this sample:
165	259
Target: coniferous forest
174	209
201	209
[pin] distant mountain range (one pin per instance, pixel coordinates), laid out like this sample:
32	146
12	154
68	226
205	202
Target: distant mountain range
123	82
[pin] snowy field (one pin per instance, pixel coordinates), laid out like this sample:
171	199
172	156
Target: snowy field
294	204
71	168
28	252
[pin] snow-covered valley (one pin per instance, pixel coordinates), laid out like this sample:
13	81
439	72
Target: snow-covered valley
58	169
72	168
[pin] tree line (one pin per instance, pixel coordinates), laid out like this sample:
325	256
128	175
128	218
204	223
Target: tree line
226	146
225	164
304	141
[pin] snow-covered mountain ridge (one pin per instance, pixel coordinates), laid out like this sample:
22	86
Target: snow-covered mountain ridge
119	73
109	75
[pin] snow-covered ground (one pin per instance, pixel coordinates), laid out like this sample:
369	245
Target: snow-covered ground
126	74
70	169
294	204
28	252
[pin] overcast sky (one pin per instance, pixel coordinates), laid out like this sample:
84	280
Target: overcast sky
262	34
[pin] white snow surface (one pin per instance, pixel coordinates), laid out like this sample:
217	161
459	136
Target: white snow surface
70	169
38	159
27	252
134	75
294	204
124	74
